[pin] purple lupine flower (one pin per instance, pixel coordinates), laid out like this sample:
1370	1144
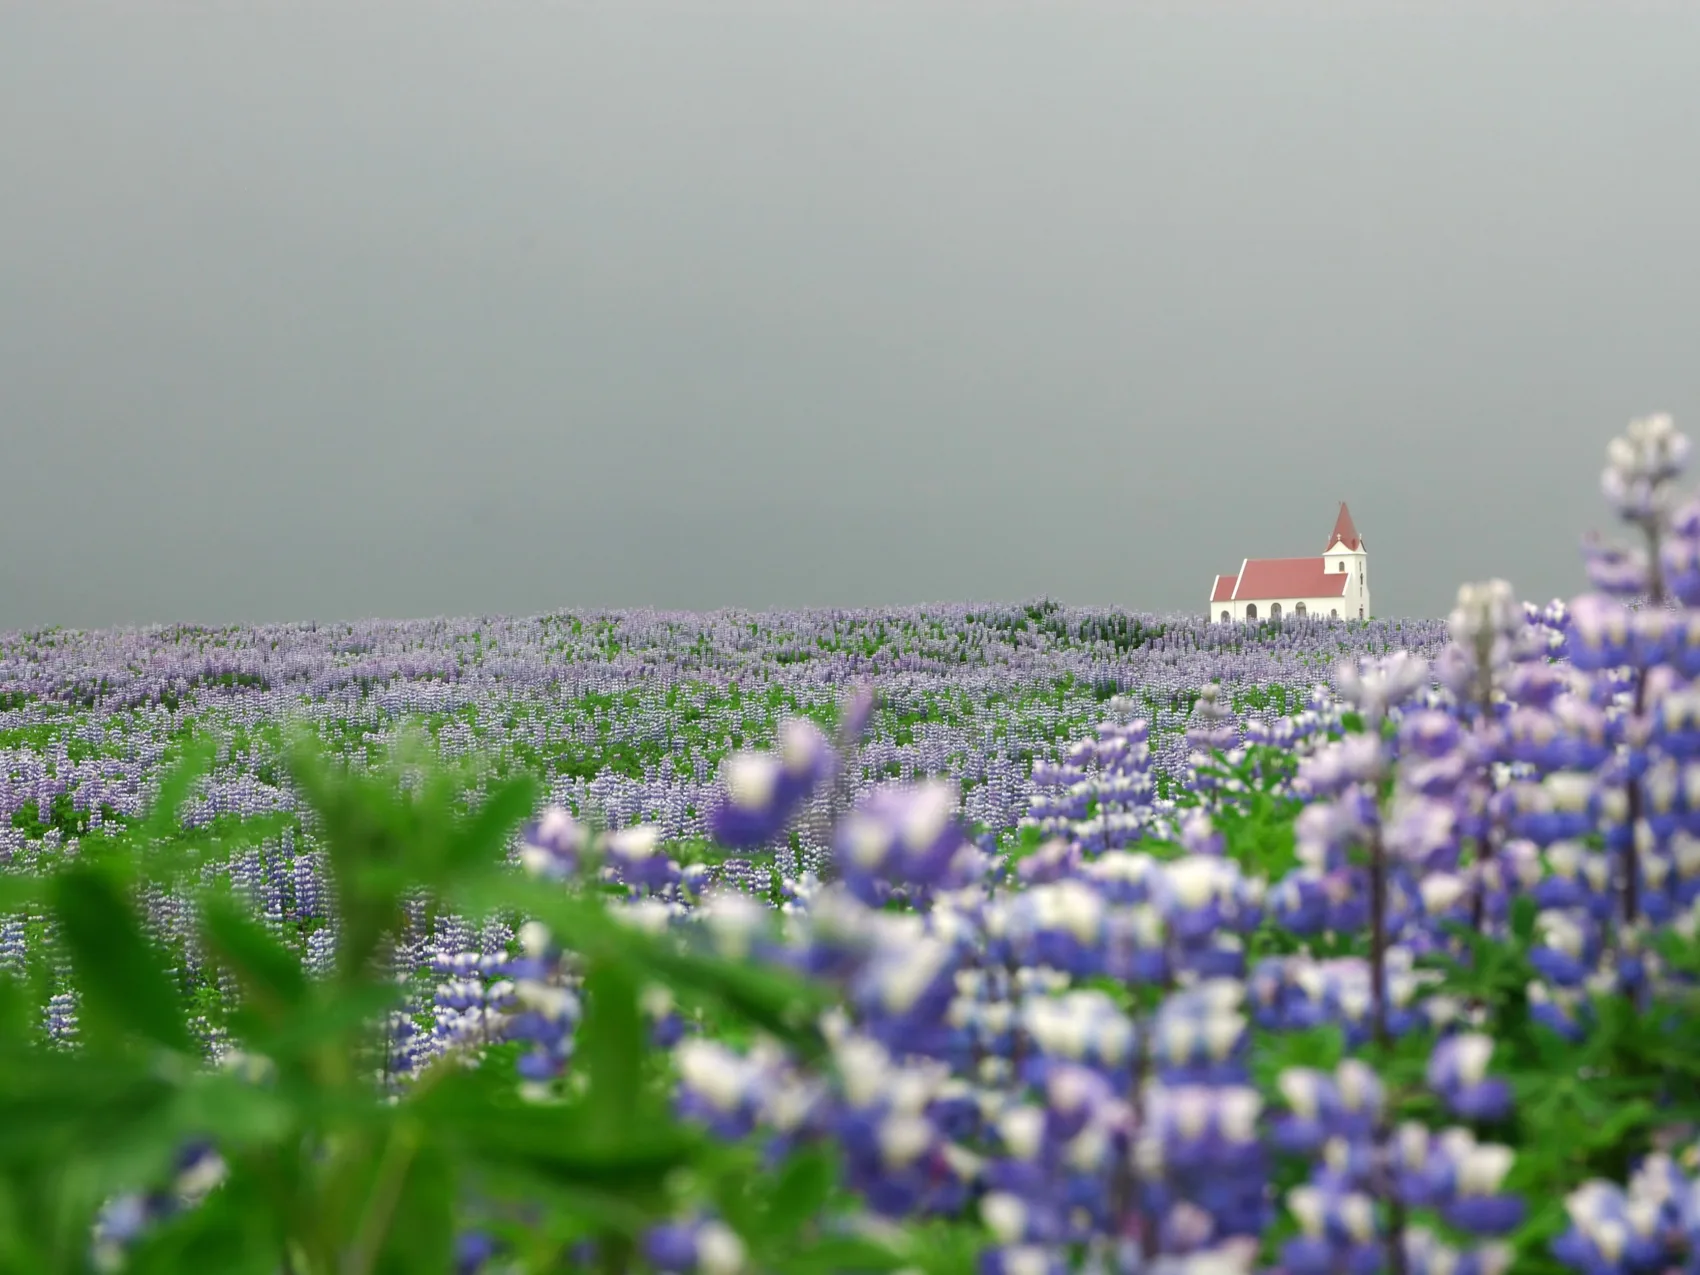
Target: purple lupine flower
1465	1179
706	1246
635	857
1640	465
903	834
1614	571
474	1250
858	712
1457	1071
1338	1230
554	846
765	790
1023	1259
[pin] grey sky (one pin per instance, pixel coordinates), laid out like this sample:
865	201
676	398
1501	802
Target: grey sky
348	309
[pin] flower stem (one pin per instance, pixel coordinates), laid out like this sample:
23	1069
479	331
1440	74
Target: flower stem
1378	937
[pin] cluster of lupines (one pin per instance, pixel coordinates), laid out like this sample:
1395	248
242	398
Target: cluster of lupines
973	980
1109	774
1061	1118
1370	1175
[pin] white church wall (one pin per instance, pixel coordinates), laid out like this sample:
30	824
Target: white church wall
1324	608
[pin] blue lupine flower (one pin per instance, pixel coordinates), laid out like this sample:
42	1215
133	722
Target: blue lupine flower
554	845
1457	1071
703	1247
764	791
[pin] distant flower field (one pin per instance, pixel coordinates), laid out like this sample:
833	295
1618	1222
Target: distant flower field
629	714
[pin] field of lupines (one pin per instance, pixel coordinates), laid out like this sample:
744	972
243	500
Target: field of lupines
1011	939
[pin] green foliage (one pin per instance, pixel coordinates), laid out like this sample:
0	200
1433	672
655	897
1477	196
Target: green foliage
324	1172
1249	808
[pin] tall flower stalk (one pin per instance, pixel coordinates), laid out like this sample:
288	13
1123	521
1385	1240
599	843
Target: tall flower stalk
1638	481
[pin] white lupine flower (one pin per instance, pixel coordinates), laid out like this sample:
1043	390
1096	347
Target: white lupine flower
1022	1129
1028	1260
1355	999
1487	608
554	1003
864	1066
905	979
1301	1087
1357	1212
719	1250
869	841
1569	791
910	1090
1237	1112
1411	1144
751	779
1193	881
656	1000
1473	1051
1305	1204
903	1138
1357	1084
535	860
1059	1029
1005	1216
789	1103
712	1071
1079	909
1178	1036
637	842
928	813
1087	1150
962	1162
1442	891
1483	1169
1561	932
202	1176
1221	1033
652	916
1190	1105
1149	927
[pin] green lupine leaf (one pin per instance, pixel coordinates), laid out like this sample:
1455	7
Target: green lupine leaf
270	975
121	979
481	839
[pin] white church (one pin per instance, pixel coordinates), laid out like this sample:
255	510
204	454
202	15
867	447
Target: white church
1336	585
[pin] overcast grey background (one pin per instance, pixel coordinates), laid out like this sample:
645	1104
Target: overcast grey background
339	310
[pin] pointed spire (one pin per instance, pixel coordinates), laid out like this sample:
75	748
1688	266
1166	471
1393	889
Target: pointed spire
1344	532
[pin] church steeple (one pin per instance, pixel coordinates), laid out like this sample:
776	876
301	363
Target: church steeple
1344	532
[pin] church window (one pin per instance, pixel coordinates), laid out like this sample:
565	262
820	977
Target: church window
1224	617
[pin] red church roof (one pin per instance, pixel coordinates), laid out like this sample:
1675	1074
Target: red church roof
1275	579
1344	532
1224	590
